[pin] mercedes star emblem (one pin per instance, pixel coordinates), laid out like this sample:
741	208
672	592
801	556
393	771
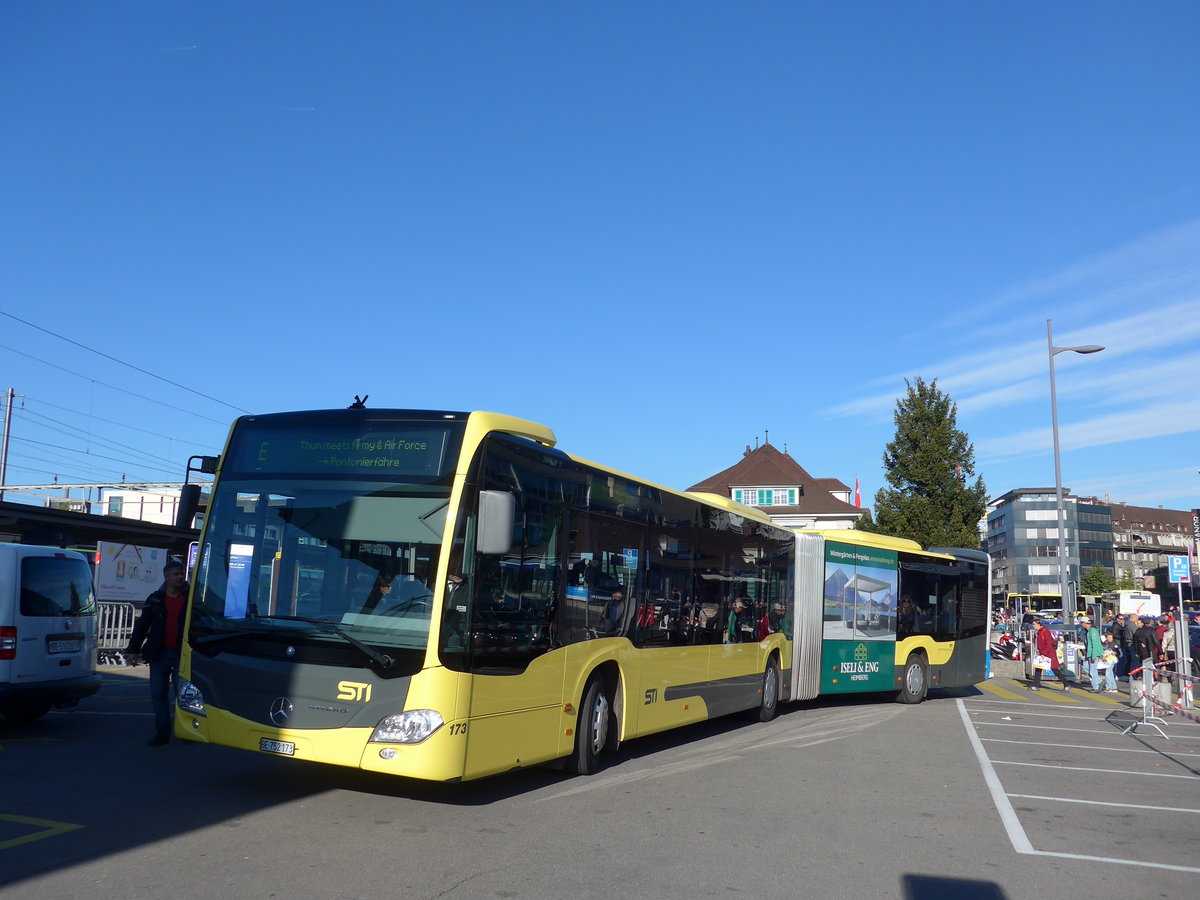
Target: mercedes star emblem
281	708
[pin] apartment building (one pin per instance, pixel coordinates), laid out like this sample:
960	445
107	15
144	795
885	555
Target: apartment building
1022	540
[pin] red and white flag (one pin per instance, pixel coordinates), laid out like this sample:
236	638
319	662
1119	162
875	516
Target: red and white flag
857	495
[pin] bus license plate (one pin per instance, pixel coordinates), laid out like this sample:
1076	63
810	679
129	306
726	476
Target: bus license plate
64	646
287	748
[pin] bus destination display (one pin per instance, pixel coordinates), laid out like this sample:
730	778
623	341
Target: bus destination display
391	451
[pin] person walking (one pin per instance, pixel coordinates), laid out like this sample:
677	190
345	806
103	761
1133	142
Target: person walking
1047	646
1092	651
1123	632
158	637
1109	661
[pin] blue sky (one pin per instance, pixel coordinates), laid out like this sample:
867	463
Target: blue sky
659	228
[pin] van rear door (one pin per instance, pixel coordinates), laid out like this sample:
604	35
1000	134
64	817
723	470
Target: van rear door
47	627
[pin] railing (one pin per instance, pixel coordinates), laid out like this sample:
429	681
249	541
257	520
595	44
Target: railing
1149	697
114	627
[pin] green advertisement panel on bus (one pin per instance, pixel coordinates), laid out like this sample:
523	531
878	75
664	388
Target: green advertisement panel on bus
859	628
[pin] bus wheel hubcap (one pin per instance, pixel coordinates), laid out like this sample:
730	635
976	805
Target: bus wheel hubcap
599	723
915	681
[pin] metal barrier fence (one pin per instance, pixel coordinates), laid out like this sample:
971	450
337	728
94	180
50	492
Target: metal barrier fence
114	627
1151	699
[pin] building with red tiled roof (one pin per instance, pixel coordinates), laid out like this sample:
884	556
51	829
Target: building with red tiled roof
769	479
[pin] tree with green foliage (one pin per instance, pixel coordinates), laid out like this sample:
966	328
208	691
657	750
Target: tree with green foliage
1125	581
926	467
1096	581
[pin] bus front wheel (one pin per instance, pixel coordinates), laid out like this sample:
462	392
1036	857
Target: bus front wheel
594	728
916	680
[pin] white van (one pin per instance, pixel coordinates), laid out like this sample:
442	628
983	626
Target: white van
47	630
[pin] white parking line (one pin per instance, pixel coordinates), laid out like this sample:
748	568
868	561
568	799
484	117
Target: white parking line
1008	815
1008	762
1044	715
1047	728
1012	825
1026	704
1083	747
1035	705
1174	736
1103	803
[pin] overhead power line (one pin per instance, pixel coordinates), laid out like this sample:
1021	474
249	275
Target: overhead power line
67	429
78	412
89	453
110	386
122	362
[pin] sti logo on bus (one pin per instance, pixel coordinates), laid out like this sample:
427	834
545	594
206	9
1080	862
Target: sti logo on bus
354	690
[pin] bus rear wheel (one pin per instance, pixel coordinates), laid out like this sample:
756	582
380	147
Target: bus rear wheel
768	706
595	727
916	680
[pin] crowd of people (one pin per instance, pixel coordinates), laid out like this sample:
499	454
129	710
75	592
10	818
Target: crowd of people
1110	650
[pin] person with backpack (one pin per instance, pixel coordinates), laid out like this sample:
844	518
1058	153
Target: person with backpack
1093	650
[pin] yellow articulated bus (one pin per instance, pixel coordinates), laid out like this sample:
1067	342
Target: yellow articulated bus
446	596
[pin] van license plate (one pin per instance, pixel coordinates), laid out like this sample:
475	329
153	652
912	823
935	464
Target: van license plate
287	748
71	646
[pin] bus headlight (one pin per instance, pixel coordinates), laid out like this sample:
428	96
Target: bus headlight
190	699
410	727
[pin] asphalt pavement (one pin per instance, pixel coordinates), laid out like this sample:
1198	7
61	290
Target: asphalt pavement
1097	777
993	792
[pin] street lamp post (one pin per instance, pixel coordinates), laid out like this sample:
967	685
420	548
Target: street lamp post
1061	512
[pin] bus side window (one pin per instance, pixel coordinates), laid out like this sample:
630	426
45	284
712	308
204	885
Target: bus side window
947	622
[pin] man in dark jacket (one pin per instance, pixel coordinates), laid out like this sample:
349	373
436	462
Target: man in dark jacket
1123	630
1146	644
158	636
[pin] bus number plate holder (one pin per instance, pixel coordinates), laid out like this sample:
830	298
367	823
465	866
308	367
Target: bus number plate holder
286	748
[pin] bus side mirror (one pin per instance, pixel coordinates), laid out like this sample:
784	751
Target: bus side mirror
189	495
189	503
497	512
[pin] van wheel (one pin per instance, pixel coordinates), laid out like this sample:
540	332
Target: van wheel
768	706
916	680
596	724
22	714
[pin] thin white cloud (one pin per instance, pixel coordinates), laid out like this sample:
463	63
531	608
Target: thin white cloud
1170	257
1008	375
1141	488
1163	419
1156	270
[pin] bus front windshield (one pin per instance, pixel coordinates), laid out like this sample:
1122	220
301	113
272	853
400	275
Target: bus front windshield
337	571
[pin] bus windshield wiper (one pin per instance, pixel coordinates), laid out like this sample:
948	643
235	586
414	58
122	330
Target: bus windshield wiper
217	636
382	660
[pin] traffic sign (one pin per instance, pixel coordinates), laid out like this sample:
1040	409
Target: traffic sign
1177	566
